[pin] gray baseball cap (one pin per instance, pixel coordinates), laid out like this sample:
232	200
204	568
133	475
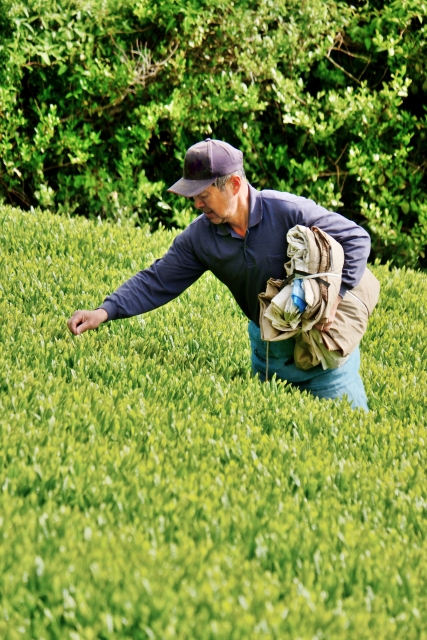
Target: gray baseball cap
205	162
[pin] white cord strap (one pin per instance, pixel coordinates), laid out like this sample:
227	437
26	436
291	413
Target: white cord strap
318	275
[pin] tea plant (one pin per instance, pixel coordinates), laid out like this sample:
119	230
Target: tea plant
151	488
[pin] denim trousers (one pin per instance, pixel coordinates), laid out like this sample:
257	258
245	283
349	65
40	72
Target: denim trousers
329	383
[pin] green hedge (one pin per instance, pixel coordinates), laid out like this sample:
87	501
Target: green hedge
152	489
99	100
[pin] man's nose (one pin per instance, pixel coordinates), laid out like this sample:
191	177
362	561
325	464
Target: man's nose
198	202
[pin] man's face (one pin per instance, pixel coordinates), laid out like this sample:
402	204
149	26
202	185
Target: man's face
216	205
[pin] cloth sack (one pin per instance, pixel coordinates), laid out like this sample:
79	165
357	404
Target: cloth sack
318	259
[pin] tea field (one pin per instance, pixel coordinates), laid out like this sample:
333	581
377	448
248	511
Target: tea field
152	489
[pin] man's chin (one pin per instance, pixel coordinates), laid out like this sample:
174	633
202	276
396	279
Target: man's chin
213	218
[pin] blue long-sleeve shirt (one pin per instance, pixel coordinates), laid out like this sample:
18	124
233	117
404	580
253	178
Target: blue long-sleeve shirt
243	264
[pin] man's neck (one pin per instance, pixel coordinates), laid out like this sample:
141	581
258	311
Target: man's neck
240	221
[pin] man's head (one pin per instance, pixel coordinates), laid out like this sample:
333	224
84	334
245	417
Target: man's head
220	202
207	163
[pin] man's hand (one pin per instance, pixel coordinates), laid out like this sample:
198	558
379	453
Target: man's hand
81	321
328	325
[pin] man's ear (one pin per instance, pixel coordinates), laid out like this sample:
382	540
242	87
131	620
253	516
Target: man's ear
235	182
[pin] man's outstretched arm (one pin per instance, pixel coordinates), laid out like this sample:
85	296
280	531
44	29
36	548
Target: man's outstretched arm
149	289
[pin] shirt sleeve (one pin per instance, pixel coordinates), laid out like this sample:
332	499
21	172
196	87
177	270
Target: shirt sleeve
354	240
163	281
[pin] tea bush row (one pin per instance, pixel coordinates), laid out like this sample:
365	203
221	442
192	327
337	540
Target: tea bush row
151	488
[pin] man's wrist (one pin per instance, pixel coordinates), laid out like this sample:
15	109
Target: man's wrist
102	314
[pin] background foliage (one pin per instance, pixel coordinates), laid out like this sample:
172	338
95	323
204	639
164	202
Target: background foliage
99	100
150	488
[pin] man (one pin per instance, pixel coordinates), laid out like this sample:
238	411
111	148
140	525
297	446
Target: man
241	238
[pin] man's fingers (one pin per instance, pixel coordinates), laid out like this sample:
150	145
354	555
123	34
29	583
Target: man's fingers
82	327
323	327
75	322
330	321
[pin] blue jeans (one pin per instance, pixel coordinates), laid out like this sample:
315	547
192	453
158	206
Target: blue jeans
329	383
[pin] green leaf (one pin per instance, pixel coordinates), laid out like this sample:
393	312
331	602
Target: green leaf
45	57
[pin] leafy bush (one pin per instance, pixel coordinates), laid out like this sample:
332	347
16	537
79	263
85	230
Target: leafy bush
152	489
100	100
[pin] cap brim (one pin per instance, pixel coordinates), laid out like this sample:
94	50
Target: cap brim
190	188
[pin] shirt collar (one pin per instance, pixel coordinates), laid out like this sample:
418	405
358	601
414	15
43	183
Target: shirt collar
255	212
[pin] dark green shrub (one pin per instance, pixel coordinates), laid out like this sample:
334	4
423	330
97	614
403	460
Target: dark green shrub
101	99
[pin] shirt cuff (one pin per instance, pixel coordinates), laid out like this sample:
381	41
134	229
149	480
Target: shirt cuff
110	308
343	290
